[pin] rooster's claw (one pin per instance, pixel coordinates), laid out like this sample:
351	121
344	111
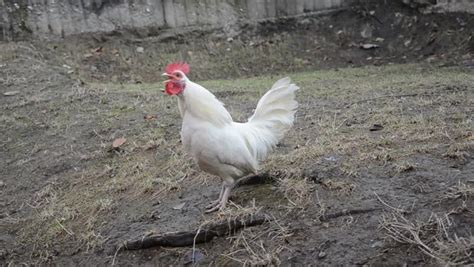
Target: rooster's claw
213	204
219	206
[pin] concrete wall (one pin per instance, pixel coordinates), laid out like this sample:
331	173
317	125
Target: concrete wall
456	5
68	17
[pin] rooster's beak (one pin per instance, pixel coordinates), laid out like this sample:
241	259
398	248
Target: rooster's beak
171	76
167	75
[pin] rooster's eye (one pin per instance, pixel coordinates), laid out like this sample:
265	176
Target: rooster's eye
178	75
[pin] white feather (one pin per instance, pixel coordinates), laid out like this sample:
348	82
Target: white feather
229	149
272	118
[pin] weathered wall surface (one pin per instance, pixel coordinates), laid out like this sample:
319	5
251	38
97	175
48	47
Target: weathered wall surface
456	5
68	17
429	6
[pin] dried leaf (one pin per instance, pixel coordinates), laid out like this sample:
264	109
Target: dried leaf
376	127
149	117
150	145
118	142
11	93
99	49
369	46
179	206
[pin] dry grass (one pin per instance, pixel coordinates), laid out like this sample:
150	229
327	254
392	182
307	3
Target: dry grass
431	236
259	246
251	246
249	249
460	191
459	150
339	186
404	167
296	191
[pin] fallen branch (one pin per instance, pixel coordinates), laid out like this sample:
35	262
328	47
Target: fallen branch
327	217
204	234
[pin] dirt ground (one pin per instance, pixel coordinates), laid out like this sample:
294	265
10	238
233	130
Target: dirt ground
378	168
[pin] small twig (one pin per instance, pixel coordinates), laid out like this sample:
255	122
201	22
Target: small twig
115	255
393	208
64	228
194	244
327	217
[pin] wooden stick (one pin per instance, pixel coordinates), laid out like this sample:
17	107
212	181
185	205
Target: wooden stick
204	234
327	217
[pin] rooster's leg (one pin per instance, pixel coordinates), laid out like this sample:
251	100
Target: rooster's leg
223	200
216	202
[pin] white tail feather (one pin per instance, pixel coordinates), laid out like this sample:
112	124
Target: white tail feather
273	116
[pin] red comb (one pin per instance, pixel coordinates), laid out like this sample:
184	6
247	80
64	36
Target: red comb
184	67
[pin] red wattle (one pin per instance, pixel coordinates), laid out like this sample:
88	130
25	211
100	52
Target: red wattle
172	88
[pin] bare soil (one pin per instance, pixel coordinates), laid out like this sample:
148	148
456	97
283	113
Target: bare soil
377	170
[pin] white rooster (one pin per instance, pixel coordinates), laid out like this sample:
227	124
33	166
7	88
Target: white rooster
220	146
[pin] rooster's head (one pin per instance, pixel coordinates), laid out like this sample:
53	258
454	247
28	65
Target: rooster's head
176	73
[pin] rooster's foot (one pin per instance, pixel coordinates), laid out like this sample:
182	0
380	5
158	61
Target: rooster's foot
221	202
217	202
213	204
215	207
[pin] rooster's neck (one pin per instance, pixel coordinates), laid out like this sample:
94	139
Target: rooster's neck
200	104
